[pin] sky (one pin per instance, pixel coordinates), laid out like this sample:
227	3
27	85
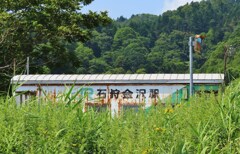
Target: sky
127	8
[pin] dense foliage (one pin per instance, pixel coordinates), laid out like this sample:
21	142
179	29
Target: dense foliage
40	30
159	44
206	124
50	35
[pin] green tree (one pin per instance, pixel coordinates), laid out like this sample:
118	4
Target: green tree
134	57
25	24
100	43
98	66
83	56
155	62
123	37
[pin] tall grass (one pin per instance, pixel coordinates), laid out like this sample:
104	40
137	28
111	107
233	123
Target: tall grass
204	124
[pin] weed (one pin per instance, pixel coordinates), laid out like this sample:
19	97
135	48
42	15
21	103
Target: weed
205	124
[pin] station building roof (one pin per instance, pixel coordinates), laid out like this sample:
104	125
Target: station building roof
117	79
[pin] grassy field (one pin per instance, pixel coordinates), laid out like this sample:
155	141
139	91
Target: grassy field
205	124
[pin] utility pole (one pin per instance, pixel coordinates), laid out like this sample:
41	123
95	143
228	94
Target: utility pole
27	66
190	65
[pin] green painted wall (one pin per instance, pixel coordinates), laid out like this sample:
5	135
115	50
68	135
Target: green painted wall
183	94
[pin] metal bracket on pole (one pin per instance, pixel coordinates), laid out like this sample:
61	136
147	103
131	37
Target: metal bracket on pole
191	65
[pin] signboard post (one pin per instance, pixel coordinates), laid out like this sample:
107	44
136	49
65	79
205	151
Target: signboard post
197	47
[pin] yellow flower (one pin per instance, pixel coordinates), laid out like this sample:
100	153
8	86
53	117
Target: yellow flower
179	105
147	151
168	110
74	145
159	129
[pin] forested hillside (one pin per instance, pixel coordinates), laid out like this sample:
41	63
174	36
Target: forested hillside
148	44
159	44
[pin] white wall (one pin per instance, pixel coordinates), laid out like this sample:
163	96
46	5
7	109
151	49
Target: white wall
115	93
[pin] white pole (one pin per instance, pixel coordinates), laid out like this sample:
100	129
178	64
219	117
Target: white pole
191	65
27	66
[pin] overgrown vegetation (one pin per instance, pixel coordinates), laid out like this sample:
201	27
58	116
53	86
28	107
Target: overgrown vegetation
205	124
